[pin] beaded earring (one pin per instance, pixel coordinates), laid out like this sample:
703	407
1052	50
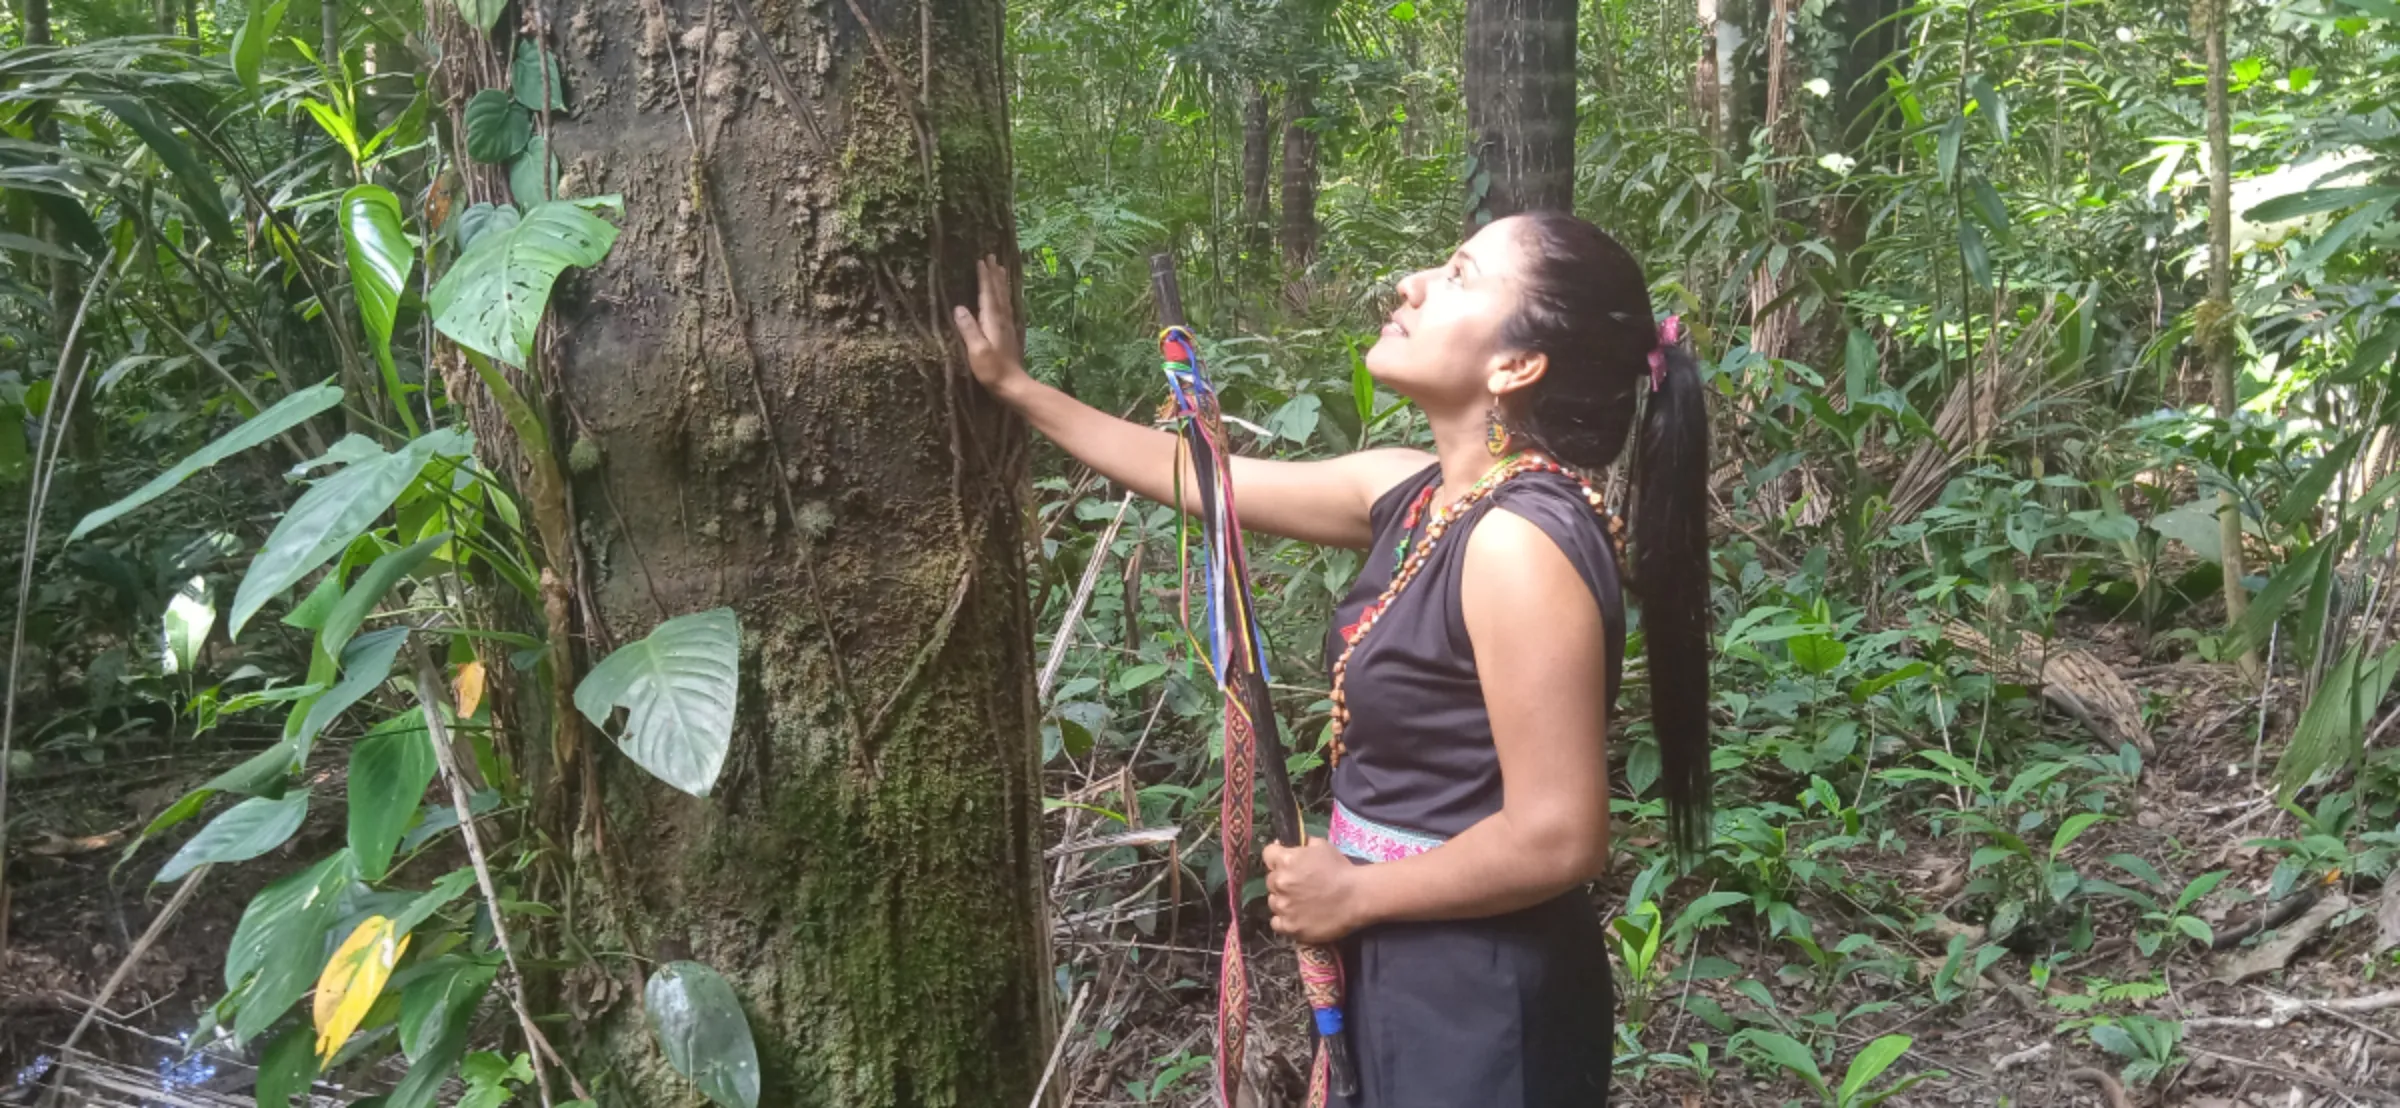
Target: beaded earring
1495	431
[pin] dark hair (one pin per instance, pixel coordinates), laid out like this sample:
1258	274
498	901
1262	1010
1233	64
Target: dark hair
1585	305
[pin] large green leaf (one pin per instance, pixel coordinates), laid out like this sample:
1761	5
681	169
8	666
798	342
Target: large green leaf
491	300
699	1023
365	663
533	72
1785	1051
244	831
533	177
448	991
389	769
497	127
279	946
330	515
286	1069
193	180
436	1013
431	900
2316	201
257	33
359	603
1870	1064
375	240
278	418
481	13
677	687
2333	726
1977	257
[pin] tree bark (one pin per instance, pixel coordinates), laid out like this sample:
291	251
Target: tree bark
1299	232
1770	323
1258	160
2216	317
1520	91
783	426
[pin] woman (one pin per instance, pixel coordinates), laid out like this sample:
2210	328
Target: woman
1475	661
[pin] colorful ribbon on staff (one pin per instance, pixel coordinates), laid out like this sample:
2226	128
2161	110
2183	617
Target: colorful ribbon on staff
1237	655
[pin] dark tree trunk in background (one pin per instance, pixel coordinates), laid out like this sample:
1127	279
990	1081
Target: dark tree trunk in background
805	446
1520	89
1258	161
1299	234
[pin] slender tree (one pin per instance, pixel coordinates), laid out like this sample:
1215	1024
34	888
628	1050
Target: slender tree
2216	316
1299	233
767	413
1258	160
1520	91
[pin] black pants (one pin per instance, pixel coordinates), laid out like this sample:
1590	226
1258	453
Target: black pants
1513	1011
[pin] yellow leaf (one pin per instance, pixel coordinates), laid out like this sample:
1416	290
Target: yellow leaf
353	979
470	688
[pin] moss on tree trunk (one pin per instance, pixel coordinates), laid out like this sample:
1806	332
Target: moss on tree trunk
777	421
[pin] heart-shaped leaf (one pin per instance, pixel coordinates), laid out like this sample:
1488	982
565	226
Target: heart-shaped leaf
244	831
491	300
699	1023
389	769
482	13
533	76
677	688
533	177
497	127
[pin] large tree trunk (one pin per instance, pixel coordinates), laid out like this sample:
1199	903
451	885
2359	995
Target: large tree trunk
1258	162
2216	317
1520	89
1299	190
782	426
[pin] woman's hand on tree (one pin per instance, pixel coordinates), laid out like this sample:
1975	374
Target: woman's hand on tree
1312	891
990	332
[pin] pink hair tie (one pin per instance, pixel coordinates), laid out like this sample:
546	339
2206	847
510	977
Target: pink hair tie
1669	333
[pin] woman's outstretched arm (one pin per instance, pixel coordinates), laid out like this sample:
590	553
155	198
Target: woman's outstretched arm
1321	502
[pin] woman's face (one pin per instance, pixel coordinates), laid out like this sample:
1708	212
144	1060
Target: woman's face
1442	343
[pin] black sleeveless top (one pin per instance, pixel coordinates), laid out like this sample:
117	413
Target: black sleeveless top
1418	752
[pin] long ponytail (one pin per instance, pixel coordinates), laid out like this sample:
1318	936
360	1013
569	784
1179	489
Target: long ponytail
1586	306
1671	567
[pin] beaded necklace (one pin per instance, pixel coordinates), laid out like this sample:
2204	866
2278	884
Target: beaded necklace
1411	555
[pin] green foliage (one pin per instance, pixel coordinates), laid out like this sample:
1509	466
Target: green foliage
699	1024
245	831
494	294
287	413
332	514
389	769
677	688
2147	1045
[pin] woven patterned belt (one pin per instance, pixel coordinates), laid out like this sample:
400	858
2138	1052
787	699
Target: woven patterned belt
1369	841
